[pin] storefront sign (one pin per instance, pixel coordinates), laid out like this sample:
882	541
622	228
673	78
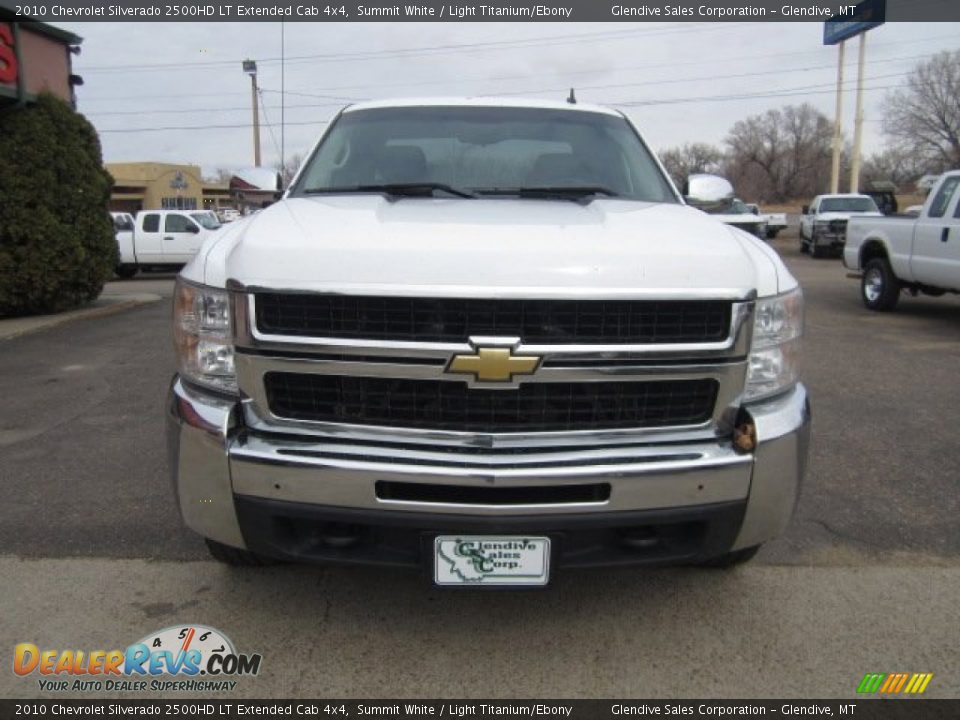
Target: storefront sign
9	69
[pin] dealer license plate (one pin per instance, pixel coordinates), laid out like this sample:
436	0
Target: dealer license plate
491	560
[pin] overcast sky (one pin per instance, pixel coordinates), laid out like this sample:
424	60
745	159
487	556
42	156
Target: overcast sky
695	76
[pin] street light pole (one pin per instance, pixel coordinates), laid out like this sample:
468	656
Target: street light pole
250	67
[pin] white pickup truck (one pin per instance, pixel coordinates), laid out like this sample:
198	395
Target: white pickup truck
823	224
916	253
162	239
738	214
775	221
490	340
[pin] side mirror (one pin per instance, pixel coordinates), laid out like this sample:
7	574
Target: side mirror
708	191
193	229
805	210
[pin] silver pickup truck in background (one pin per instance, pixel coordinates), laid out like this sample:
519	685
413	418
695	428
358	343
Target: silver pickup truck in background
823	223
900	252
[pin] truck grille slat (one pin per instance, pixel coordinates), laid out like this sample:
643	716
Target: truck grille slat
446	405
456	319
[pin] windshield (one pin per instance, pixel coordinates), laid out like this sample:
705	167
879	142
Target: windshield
122	222
207	219
849	204
484	150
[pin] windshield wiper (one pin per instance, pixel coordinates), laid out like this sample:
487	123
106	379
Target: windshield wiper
561	192
413	189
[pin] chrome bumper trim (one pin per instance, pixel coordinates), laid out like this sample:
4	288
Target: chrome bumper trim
259	471
212	460
199	427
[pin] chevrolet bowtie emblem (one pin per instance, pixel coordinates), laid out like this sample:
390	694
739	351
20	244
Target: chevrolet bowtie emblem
494	364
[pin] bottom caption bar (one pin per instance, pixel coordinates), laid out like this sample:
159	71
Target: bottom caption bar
859	709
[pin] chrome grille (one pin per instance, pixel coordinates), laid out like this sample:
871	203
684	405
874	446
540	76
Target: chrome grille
395	390
452	406
457	319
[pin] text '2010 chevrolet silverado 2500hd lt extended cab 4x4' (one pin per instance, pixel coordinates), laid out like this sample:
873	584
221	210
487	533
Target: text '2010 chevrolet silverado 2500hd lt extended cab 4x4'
915	253
487	339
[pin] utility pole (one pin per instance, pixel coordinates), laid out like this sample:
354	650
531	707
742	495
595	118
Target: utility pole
858	120
250	68
838	125
283	107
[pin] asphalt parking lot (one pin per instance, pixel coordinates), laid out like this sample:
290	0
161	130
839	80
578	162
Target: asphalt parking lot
866	579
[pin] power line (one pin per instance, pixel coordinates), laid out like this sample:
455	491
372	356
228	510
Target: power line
342	98
713	62
200	127
642	83
610	35
847	84
266	121
182	111
725	76
784	92
728	98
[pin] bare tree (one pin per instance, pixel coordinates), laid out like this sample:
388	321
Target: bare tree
220	175
691	158
289	169
896	165
781	154
924	117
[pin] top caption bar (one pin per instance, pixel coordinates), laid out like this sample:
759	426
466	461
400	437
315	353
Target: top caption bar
467	11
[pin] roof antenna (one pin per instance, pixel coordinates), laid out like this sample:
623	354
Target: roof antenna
572	98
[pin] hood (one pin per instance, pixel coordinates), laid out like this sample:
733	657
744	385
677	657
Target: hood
504	247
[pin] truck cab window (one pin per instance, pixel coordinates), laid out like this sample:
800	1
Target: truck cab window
179	224
151	223
941	200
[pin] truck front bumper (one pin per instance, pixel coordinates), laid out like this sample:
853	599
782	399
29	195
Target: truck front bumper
301	499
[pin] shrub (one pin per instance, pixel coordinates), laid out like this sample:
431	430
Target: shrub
57	245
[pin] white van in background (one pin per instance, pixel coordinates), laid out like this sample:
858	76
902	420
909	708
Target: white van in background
163	239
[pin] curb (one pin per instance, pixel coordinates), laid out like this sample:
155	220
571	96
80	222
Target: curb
107	305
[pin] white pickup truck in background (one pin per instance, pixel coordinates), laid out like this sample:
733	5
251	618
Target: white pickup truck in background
775	221
899	252
736	213
162	239
823	224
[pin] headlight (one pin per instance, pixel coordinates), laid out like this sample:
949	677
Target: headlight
774	363
203	336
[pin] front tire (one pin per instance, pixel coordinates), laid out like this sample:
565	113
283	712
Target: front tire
879	287
732	559
126	271
236	557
